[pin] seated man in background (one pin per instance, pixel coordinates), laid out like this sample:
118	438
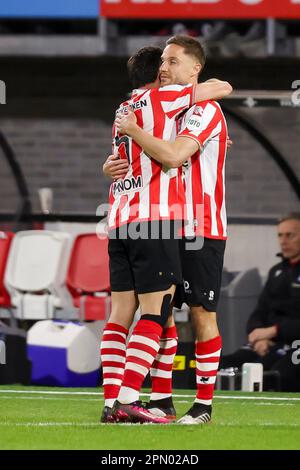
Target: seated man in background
275	323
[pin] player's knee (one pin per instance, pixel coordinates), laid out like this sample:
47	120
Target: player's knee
123	318
164	312
204	320
202	314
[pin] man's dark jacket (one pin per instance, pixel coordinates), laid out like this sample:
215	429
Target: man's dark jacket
279	303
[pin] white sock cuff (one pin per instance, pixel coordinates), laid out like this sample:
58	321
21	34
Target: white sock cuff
127	395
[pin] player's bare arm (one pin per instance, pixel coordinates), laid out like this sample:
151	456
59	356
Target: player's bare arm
212	89
170	154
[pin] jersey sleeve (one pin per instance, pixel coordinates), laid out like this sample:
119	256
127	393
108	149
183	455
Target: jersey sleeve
176	98
203	123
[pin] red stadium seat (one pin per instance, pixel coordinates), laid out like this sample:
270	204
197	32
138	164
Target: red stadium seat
5	241
88	277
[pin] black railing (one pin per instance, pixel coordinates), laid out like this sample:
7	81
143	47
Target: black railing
24	207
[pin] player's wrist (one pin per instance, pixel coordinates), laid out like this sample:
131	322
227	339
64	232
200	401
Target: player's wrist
134	131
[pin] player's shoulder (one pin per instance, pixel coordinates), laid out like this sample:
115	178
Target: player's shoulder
138	93
208	103
172	88
122	106
207	107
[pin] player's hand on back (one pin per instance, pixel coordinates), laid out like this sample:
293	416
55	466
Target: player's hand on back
125	123
114	167
229	143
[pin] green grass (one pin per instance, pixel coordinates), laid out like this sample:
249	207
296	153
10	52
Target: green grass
71	421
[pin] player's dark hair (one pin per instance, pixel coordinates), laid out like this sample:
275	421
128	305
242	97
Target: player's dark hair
290	216
190	45
144	65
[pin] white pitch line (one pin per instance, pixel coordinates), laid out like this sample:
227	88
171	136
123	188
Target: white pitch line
50	392
7	397
230	397
217	397
46	424
69	424
264	403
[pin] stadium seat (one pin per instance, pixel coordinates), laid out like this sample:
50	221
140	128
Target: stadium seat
88	277
5	242
237	301
36	273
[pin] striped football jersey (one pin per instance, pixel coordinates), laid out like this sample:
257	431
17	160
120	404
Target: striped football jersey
149	191
204	172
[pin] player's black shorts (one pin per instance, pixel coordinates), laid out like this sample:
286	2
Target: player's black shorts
145	264
202	273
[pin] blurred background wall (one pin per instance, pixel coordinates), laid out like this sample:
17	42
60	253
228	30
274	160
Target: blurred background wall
64	66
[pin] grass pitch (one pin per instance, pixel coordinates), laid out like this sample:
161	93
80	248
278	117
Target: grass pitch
56	418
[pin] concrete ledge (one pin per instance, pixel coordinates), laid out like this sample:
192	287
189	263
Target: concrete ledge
51	46
80	45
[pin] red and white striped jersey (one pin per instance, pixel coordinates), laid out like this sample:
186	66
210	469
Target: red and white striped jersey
149	191
204	173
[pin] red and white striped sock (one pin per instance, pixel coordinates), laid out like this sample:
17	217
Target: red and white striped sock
161	370
207	363
141	351
113	357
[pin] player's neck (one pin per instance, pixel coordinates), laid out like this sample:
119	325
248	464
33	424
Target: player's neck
150	86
